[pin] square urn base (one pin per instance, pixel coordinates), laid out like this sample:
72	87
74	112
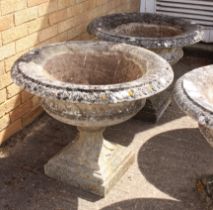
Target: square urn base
93	168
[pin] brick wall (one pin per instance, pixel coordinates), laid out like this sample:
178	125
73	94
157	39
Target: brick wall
25	24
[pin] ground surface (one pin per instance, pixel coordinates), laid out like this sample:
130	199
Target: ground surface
170	156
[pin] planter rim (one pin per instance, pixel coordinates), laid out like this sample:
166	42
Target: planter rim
102	27
28	72
195	107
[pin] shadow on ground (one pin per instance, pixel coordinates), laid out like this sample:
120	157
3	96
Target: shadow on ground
173	161
22	180
147	204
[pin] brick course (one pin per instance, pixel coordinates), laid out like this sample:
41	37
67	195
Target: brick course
26	24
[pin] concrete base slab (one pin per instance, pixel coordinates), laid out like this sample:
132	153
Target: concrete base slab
90	163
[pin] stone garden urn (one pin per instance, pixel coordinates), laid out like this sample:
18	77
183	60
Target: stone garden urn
194	95
165	35
91	85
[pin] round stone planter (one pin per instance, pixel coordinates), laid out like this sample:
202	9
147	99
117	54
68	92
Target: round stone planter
91	85
165	35
194	95
162	34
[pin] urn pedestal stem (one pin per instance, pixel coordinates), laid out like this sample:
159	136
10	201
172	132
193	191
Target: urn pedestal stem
90	162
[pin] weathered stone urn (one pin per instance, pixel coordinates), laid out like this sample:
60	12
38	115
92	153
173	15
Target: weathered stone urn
91	85
194	94
165	35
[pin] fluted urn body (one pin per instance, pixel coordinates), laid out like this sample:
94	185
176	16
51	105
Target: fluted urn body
91	85
194	95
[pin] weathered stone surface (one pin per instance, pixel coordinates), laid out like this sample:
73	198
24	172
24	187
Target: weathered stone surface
164	35
146	30
92	85
193	94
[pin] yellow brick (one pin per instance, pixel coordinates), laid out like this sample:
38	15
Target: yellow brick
48	33
2	110
10	61
73	11
9	6
0	39
6	22
78	9
31	3
100	2
12	90
10	104
92	4
26	15
65	3
36	101
68	24
2	67
3	95
5	80
38	24
76	32
10	130
80	1
58	16
47	8
7	50
4	121
20	111
85	36
25	96
59	38
26	42
29	117
14	33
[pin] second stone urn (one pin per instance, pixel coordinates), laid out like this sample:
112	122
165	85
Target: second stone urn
164	35
91	85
